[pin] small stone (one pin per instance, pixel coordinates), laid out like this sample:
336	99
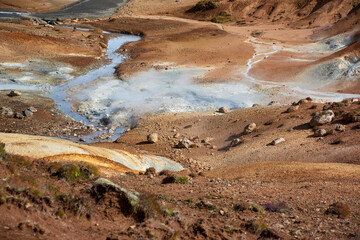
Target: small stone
28	113
153	138
19	116
256	105
223	110
303	101
340	128
15	93
292	109
249	128
177	135
186	143
320	132
222	212
236	142
32	109
277	141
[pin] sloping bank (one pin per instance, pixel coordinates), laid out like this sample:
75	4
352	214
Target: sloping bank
54	149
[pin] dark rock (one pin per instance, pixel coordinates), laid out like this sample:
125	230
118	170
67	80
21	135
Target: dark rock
15	93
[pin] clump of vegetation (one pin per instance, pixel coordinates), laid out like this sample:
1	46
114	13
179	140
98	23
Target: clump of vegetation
203	6
256	207
256	226
2	151
73	204
277	207
175	179
73	172
223	17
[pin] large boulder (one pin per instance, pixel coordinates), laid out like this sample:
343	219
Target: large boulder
322	117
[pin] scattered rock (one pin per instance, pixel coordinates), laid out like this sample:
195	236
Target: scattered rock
322	117
320	132
292	109
340	209
15	93
223	110
19	115
303	101
28	113
277	141
340	128
249	128
256	105
186	143
7	112
32	109
236	142
153	138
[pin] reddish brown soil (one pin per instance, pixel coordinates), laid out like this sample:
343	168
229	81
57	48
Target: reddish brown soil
38	205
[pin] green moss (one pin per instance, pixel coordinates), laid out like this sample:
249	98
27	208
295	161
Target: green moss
221	19
60	213
176	179
73	172
2	151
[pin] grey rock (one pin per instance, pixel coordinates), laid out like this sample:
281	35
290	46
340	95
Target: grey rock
7	112
186	143
28	113
277	141
320	132
32	109
322	117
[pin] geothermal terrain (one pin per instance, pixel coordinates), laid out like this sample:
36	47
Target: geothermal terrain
180	119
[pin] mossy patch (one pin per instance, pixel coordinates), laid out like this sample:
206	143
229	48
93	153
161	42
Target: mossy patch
73	172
